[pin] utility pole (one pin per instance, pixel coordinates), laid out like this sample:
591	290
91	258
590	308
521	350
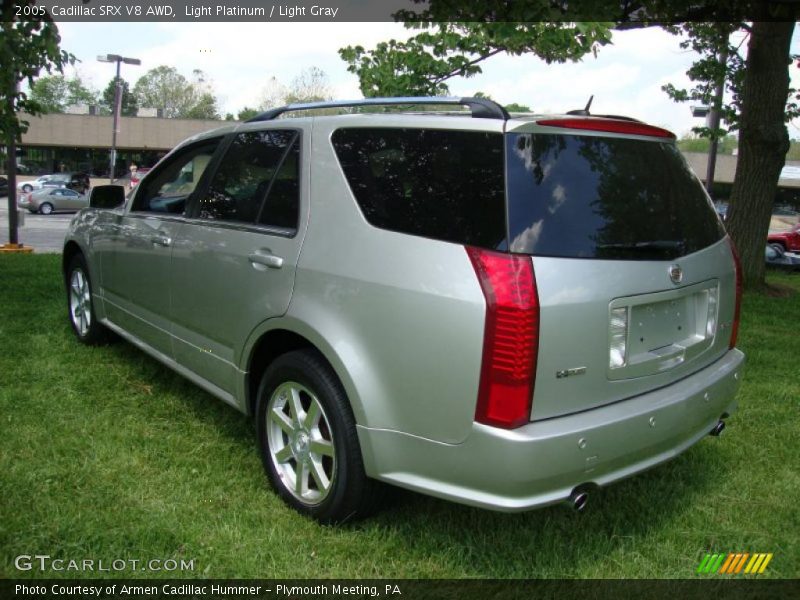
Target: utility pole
116	58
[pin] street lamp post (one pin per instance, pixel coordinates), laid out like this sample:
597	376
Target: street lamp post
116	58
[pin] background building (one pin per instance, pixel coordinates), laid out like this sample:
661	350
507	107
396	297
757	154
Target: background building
81	142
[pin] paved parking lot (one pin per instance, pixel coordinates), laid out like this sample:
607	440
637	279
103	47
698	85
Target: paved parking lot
43	233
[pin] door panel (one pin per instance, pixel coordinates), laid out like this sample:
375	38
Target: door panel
135	274
135	246
220	294
234	263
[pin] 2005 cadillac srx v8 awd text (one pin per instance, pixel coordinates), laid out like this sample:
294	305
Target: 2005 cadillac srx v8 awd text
504	312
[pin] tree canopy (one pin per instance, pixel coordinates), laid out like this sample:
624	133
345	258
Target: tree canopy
422	65
165	88
54	93
128	105
26	48
715	43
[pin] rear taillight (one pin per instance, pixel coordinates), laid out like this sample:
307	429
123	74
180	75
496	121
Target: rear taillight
737	310
510	338
609	125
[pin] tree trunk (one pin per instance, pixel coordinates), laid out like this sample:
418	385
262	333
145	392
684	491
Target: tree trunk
763	144
11	148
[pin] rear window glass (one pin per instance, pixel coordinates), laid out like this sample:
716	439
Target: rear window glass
607	198
441	184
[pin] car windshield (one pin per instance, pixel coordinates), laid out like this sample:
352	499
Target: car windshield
579	196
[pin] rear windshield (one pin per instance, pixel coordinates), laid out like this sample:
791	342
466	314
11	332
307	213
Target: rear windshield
598	197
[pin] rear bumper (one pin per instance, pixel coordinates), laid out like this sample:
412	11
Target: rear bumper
541	463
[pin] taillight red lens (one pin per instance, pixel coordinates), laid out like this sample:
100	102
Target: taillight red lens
610	125
739	285
510	338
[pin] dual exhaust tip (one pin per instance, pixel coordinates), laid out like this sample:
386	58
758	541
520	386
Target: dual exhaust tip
580	497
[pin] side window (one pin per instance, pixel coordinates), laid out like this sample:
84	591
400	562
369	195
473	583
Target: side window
257	181
172	182
442	184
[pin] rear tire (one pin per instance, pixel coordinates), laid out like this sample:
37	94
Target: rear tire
46	208
308	441
80	304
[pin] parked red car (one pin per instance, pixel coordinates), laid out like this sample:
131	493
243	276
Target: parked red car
790	240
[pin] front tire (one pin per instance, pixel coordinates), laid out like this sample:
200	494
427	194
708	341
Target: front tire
46	208
308	441
80	304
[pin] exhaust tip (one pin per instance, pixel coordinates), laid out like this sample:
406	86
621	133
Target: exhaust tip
717	429
578	500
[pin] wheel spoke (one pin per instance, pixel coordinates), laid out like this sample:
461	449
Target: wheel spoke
279	418
76	287
313	414
319	476
295	407
301	479
321	447
284	455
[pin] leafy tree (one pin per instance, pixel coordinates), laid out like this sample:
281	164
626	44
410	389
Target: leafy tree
514	107
310	85
274	94
204	108
128	105
700	144
424	64
26	47
247	113
164	87
54	93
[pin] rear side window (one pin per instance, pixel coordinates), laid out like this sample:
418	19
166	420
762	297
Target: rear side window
441	184
609	198
257	181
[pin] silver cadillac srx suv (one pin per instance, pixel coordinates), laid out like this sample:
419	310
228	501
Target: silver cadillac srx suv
504	312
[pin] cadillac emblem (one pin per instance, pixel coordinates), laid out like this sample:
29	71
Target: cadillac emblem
676	273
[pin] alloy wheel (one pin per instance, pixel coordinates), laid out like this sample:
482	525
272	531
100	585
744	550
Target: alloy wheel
300	442
80	302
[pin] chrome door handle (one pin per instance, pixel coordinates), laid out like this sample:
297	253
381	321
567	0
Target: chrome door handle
266	259
160	240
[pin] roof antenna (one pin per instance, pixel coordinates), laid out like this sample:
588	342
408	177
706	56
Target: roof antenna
584	112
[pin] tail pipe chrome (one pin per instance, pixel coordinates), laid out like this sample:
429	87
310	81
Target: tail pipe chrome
718	428
578	499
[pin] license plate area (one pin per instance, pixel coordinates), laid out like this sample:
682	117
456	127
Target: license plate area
664	329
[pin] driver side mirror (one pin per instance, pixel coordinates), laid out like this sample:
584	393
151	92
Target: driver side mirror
107	196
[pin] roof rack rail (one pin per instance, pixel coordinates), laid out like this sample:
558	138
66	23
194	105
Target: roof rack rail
481	108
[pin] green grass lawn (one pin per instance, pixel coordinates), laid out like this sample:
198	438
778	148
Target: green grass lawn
106	454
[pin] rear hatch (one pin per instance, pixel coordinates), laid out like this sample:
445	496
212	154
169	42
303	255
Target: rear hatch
635	277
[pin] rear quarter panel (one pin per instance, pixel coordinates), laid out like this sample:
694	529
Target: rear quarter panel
404	315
